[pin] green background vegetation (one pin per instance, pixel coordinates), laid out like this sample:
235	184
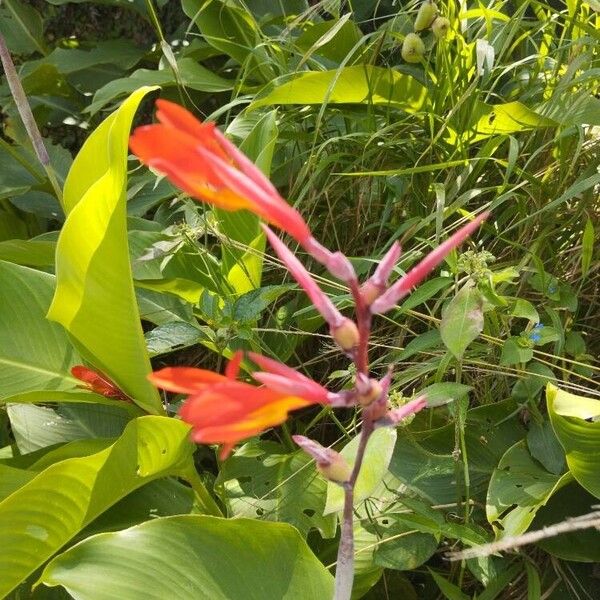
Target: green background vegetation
123	272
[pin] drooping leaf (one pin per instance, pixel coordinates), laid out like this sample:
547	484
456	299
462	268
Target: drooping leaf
462	320
95	299
43	515
216	559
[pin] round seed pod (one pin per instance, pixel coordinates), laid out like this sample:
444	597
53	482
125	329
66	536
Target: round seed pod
440	27
426	15
413	48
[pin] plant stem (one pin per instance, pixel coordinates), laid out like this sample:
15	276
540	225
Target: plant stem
18	94
344	573
205	500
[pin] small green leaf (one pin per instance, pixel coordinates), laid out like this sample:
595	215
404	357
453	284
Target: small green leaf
514	353
462	320
214	559
442	393
587	247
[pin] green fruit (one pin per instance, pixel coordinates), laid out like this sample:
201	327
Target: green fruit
440	27
413	48
426	15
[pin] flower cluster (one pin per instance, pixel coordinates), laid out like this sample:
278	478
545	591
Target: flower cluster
223	410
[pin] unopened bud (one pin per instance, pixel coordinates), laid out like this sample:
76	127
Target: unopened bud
346	335
413	48
426	15
370	292
440	27
331	464
370	393
337	470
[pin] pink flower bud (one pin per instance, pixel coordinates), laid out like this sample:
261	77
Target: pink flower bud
320	300
393	417
335	262
331	464
346	335
403	286
376	285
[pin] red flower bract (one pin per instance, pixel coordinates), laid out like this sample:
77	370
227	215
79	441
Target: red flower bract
200	160
222	410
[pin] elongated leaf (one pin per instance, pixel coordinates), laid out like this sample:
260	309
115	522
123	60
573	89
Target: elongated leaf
42	516
35	354
462	320
193	556
587	247
94	298
579	438
361	84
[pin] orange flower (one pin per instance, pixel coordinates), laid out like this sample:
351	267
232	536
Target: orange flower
97	382
200	160
222	410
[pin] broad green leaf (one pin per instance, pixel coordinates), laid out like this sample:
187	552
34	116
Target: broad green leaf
193	556
361	84
375	465
35	354
191	75
462	320
424	292
175	336
43	515
32	253
442	393
78	396
451	591
579	438
514	353
36	427
22	26
402	549
95	299
545	447
519	487
523	309
263	481
570	501
233	31
511	117
11	479
566	404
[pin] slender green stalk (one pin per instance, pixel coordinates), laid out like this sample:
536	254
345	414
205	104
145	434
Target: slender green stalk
18	94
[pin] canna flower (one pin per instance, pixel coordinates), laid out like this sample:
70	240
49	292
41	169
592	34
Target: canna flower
97	382
200	160
224	411
404	285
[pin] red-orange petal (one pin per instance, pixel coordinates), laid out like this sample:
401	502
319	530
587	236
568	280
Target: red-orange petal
185	380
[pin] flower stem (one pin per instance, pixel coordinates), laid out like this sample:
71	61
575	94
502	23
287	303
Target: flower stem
18	94
344	573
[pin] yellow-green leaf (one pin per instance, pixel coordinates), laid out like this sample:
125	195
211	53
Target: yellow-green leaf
94	298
